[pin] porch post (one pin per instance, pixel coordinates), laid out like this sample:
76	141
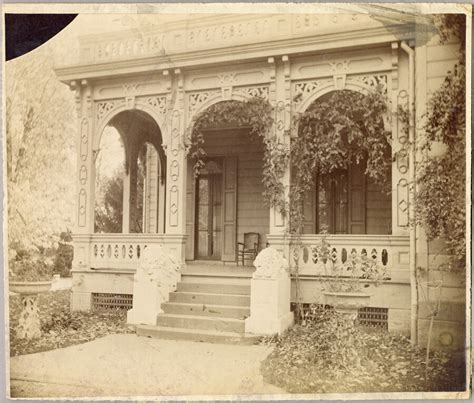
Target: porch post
132	201
175	221
85	190
270	288
400	144
280	98
126	201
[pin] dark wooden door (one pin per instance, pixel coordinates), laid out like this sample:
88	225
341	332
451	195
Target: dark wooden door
209	216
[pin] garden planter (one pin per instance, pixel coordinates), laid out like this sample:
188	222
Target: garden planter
347	303
29	325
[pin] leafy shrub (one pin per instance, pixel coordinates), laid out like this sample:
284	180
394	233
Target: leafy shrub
64	255
327	354
29	266
326	340
62	320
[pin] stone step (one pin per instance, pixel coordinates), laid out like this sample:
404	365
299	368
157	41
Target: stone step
204	278
201	322
210	299
226	311
214	288
199	335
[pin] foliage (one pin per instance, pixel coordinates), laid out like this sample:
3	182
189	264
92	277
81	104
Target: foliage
256	114
328	355
62	328
440	199
108	214
64	255
28	266
348	276
337	130
40	133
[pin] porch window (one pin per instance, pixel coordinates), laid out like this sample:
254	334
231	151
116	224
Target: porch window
347	202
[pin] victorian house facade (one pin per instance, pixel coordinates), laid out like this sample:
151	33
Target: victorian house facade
151	85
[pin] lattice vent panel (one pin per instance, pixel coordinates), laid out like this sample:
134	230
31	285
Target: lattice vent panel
106	302
373	317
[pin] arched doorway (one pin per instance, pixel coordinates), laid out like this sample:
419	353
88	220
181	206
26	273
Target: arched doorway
227	195
139	175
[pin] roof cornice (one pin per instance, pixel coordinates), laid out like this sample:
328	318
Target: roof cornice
237	54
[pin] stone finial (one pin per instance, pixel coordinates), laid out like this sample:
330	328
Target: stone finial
269	264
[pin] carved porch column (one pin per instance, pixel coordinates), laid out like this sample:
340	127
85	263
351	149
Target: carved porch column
135	219
175	219
280	98
400	144
85	190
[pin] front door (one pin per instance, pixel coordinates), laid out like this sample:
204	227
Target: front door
209	212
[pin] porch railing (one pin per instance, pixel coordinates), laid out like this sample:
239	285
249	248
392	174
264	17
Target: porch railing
121	251
389	251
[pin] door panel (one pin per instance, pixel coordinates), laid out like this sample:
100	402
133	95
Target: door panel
209	216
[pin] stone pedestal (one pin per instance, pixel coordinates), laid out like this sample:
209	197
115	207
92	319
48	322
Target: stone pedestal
29	324
270	295
156	277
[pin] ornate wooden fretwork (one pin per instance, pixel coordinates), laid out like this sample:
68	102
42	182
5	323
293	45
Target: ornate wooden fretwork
371	80
307	88
159	103
250	92
196	99
103	107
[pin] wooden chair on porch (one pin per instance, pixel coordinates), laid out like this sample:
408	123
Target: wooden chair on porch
248	248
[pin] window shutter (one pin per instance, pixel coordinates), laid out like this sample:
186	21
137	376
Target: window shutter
230	209
190	211
357	198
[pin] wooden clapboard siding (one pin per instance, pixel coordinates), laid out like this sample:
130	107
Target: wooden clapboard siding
440	58
252	215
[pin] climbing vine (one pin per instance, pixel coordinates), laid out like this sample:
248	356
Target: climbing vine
340	129
337	130
256	114
441	180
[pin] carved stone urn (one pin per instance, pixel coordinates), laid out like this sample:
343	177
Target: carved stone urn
29	325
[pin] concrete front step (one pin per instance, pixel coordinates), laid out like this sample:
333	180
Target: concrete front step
210	299
214	288
209	336
226	311
201	322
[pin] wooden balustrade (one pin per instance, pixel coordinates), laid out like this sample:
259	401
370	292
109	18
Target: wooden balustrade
123	251
390	253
